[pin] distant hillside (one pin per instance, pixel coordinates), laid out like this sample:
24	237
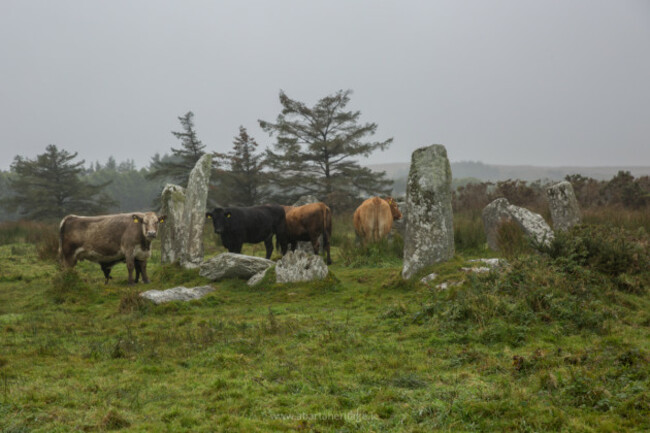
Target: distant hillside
488	172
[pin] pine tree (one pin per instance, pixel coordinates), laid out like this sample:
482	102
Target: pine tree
317	147
244	183
50	187
182	161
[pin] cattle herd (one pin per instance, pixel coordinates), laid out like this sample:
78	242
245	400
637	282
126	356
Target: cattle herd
112	239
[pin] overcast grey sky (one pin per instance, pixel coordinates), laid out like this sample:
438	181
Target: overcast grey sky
548	82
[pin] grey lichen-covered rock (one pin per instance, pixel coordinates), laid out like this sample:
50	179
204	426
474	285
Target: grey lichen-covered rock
298	266
532	224
495	214
429	235
231	265
196	196
257	278
427	279
563	205
176	294
172	230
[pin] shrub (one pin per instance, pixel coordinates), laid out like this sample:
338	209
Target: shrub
613	251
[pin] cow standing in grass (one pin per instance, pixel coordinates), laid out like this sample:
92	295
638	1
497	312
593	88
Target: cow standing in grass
374	218
251	225
307	223
108	240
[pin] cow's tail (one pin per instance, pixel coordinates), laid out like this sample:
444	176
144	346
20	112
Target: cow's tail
327	227
61	234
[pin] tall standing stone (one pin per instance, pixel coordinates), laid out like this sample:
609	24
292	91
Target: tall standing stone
429	236
196	196
563	205
172	230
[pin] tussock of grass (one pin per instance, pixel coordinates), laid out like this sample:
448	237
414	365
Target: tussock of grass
384	253
67	286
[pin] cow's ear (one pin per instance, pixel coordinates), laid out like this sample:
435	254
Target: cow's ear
208	215
228	215
136	219
161	219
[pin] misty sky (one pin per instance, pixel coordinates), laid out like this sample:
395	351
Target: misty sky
552	82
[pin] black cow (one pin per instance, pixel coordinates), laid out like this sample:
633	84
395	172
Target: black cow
239	225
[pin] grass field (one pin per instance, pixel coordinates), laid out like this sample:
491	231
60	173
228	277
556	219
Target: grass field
553	342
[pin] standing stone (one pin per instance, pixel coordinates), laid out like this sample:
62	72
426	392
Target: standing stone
500	211
196	197
172	230
563	205
429	236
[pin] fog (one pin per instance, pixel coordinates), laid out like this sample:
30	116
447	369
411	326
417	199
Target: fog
505	82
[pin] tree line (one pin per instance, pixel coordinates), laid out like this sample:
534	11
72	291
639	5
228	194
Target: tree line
315	152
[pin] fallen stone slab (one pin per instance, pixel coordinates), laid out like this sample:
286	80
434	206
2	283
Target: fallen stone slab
531	223
177	294
231	265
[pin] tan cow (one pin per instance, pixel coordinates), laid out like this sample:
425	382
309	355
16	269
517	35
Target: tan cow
374	218
109	239
307	223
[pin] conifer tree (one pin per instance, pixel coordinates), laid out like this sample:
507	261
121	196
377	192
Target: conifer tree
317	149
50	187
245	182
182	161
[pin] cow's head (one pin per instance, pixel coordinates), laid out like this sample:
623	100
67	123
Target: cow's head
149	223
220	219
394	210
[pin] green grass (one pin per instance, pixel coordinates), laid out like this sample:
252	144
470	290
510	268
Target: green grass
548	344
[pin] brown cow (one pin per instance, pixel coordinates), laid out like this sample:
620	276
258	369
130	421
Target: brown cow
374	218
109	239
307	223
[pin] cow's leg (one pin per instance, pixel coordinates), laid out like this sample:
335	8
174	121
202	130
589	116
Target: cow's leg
130	266
294	244
141	268
314	243
326	247
268	243
284	243
106	269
